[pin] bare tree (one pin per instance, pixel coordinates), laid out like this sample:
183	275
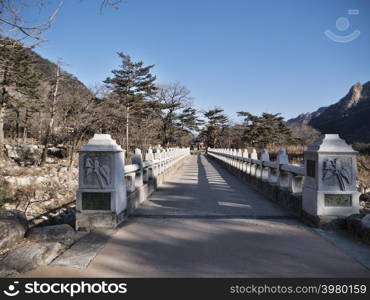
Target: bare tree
54	97
15	24
171	98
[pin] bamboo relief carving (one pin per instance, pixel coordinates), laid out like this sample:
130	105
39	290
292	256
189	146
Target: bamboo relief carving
337	171
97	170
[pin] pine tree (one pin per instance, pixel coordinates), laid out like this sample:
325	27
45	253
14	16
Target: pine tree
268	129
188	120
215	127
18	80
186	125
132	84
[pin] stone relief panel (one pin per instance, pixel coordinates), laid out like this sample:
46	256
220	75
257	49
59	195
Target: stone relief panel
97	170
337	171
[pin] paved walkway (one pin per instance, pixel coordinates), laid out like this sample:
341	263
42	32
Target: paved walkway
205	222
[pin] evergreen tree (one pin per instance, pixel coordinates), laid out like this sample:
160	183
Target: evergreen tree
188	120
18	80
187	123
268	129
215	127
132	84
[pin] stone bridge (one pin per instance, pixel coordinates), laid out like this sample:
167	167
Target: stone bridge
224	214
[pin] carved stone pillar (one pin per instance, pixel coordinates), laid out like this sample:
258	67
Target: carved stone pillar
329	187
101	194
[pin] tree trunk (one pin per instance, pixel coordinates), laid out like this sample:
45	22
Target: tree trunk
2	111
71	155
52	116
2	140
25	127
17	125
39	127
127	128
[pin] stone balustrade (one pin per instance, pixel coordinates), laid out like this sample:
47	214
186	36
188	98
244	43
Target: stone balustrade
142	171
281	173
322	192
109	190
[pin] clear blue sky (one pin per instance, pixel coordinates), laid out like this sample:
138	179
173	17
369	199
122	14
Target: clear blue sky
260	55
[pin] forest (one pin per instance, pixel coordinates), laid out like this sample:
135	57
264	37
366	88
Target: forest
42	104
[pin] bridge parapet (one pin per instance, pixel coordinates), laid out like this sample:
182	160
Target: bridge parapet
109	190
287	176
322	191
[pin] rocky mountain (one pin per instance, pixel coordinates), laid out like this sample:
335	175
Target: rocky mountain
350	116
304	119
32	113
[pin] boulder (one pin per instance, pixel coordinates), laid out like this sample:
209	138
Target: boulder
62	233
13	226
58	152
354	223
365	222
68	216
365	197
359	226
24	155
29	257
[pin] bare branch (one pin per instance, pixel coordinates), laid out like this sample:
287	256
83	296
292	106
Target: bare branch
14	24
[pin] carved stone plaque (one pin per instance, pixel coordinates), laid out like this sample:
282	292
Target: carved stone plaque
96	201
337	171
338	200
97	170
311	168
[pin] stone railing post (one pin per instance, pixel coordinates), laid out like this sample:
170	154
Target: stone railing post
150	158
329	187
163	160
265	157
101	194
156	156
240	159
244	163
282	177
253	166
137	159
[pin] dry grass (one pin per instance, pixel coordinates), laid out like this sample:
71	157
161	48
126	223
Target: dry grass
47	187
363	167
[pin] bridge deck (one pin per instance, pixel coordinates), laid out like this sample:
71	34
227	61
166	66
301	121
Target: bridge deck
205	222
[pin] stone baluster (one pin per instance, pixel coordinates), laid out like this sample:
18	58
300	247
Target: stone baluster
149	156
130	182
232	157
253	166
157	157
265	157
244	164
163	160
274	175
140	177
240	158
288	179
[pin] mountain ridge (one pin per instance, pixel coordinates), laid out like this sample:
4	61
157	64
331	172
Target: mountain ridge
349	117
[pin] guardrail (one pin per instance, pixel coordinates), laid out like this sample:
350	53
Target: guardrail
280	173
142	171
